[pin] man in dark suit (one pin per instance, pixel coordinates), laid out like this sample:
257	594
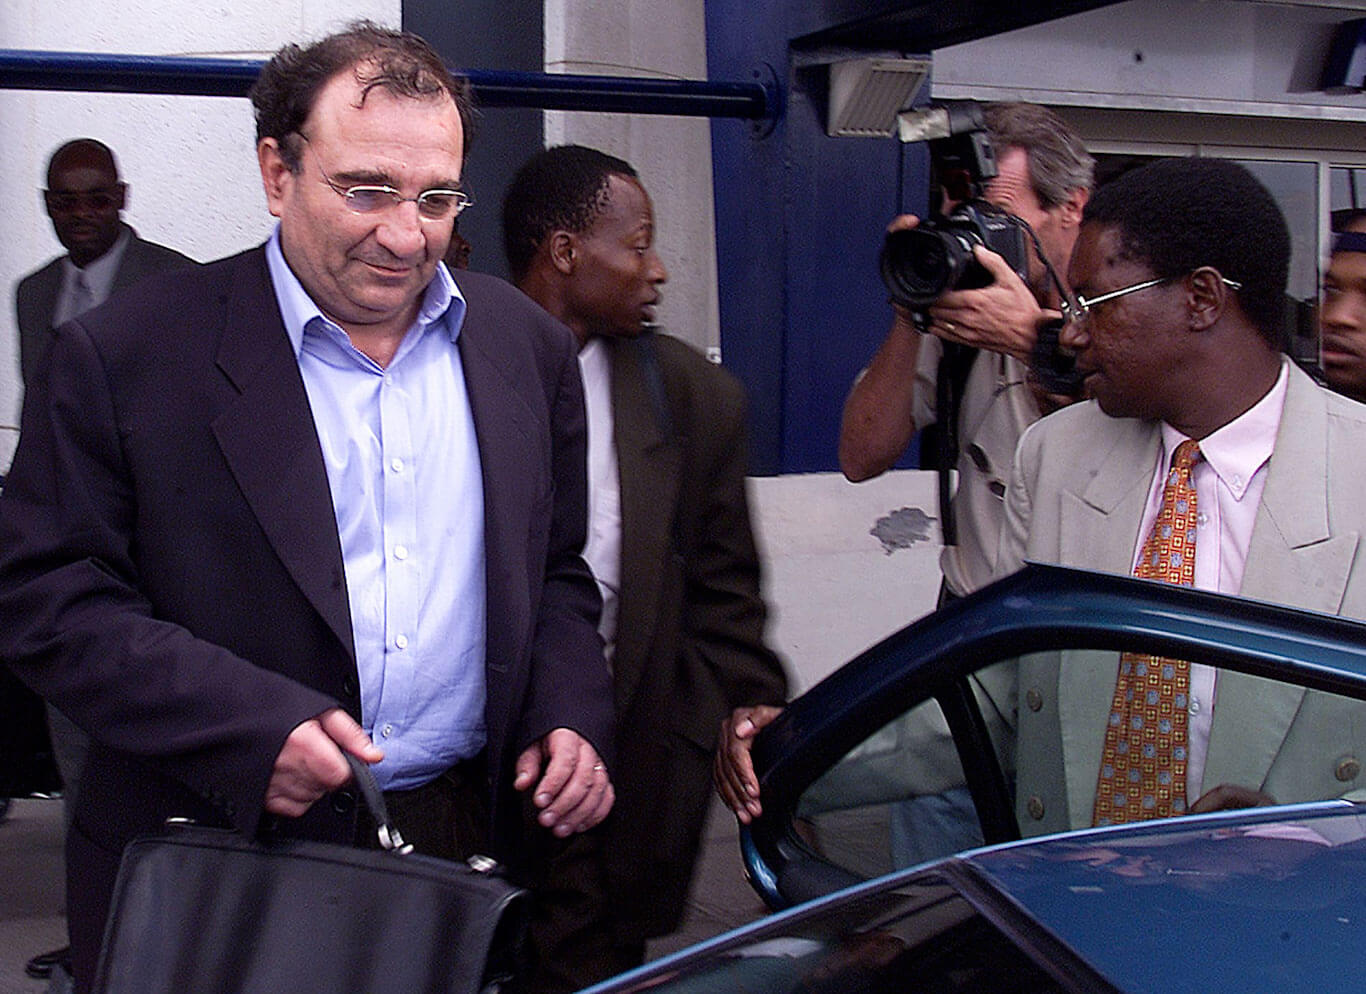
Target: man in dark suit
312	498
669	543
84	198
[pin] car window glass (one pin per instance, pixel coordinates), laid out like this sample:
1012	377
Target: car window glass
898	798
1250	739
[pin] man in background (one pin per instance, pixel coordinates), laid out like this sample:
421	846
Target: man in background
1342	310
669	543
1044	178
84	198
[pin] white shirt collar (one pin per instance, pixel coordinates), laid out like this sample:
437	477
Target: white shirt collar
1237	450
298	309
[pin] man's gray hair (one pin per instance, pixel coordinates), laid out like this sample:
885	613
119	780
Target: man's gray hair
1058	162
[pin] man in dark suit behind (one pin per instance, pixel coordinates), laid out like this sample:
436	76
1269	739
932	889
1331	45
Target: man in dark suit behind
84	198
311	498
670	546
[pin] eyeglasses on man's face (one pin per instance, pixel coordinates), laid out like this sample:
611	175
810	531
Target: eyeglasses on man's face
1085	304
369	198
101	198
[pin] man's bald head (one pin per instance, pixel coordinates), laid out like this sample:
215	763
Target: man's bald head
84	198
83	153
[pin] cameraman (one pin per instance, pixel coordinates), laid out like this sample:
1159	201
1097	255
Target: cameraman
1044	178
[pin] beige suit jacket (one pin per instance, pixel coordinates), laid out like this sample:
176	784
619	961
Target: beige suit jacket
1076	497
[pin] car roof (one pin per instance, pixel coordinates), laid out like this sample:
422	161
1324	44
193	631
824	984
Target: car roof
1259	899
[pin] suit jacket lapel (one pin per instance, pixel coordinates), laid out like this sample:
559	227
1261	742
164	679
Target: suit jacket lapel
49	286
1099	523
1293	559
271	447
130	266
648	466
503	424
1099	519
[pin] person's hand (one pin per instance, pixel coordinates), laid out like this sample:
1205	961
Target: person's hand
575	793
1228	797
311	764
733	767
1000	317
902	222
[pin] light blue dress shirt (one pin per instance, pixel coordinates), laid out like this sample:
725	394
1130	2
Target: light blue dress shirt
403	468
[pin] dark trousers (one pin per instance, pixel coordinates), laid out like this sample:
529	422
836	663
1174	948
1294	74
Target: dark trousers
447	817
571	943
573	940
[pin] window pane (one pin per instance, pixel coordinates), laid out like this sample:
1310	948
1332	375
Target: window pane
899	798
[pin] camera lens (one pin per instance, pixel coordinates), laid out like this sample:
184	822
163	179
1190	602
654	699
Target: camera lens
919	264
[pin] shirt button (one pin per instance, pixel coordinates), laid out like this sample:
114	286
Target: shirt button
401	641
396	464
1034	699
1195	705
1347	769
400	552
386	731
1035	807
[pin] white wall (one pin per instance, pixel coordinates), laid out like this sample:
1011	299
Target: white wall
845	564
189	161
664	39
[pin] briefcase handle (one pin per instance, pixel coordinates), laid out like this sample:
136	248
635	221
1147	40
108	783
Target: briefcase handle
389	838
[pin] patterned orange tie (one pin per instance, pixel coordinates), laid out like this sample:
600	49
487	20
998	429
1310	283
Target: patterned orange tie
1143	766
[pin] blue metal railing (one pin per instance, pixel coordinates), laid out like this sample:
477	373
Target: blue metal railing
206	77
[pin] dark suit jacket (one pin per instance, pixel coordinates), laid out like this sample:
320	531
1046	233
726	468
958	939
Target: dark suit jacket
690	628
35	298
171	575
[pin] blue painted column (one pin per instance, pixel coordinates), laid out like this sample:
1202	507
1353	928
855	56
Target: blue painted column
799	220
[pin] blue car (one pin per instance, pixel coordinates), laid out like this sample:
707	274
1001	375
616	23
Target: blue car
1264	898
1272	899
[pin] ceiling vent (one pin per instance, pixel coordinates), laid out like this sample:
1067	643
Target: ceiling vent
867	94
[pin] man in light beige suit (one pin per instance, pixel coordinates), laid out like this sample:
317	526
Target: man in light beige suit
1181	266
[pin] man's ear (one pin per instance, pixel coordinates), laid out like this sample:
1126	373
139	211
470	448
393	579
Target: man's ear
122	196
276	176
1207	297
561	246
1070	210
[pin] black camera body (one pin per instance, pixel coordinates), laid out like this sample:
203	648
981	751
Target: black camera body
1054	367
920	264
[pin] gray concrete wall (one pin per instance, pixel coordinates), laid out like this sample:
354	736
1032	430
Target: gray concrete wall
1208	56
845	564
664	39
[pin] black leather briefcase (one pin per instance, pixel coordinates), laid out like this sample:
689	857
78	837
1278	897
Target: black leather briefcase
200	910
